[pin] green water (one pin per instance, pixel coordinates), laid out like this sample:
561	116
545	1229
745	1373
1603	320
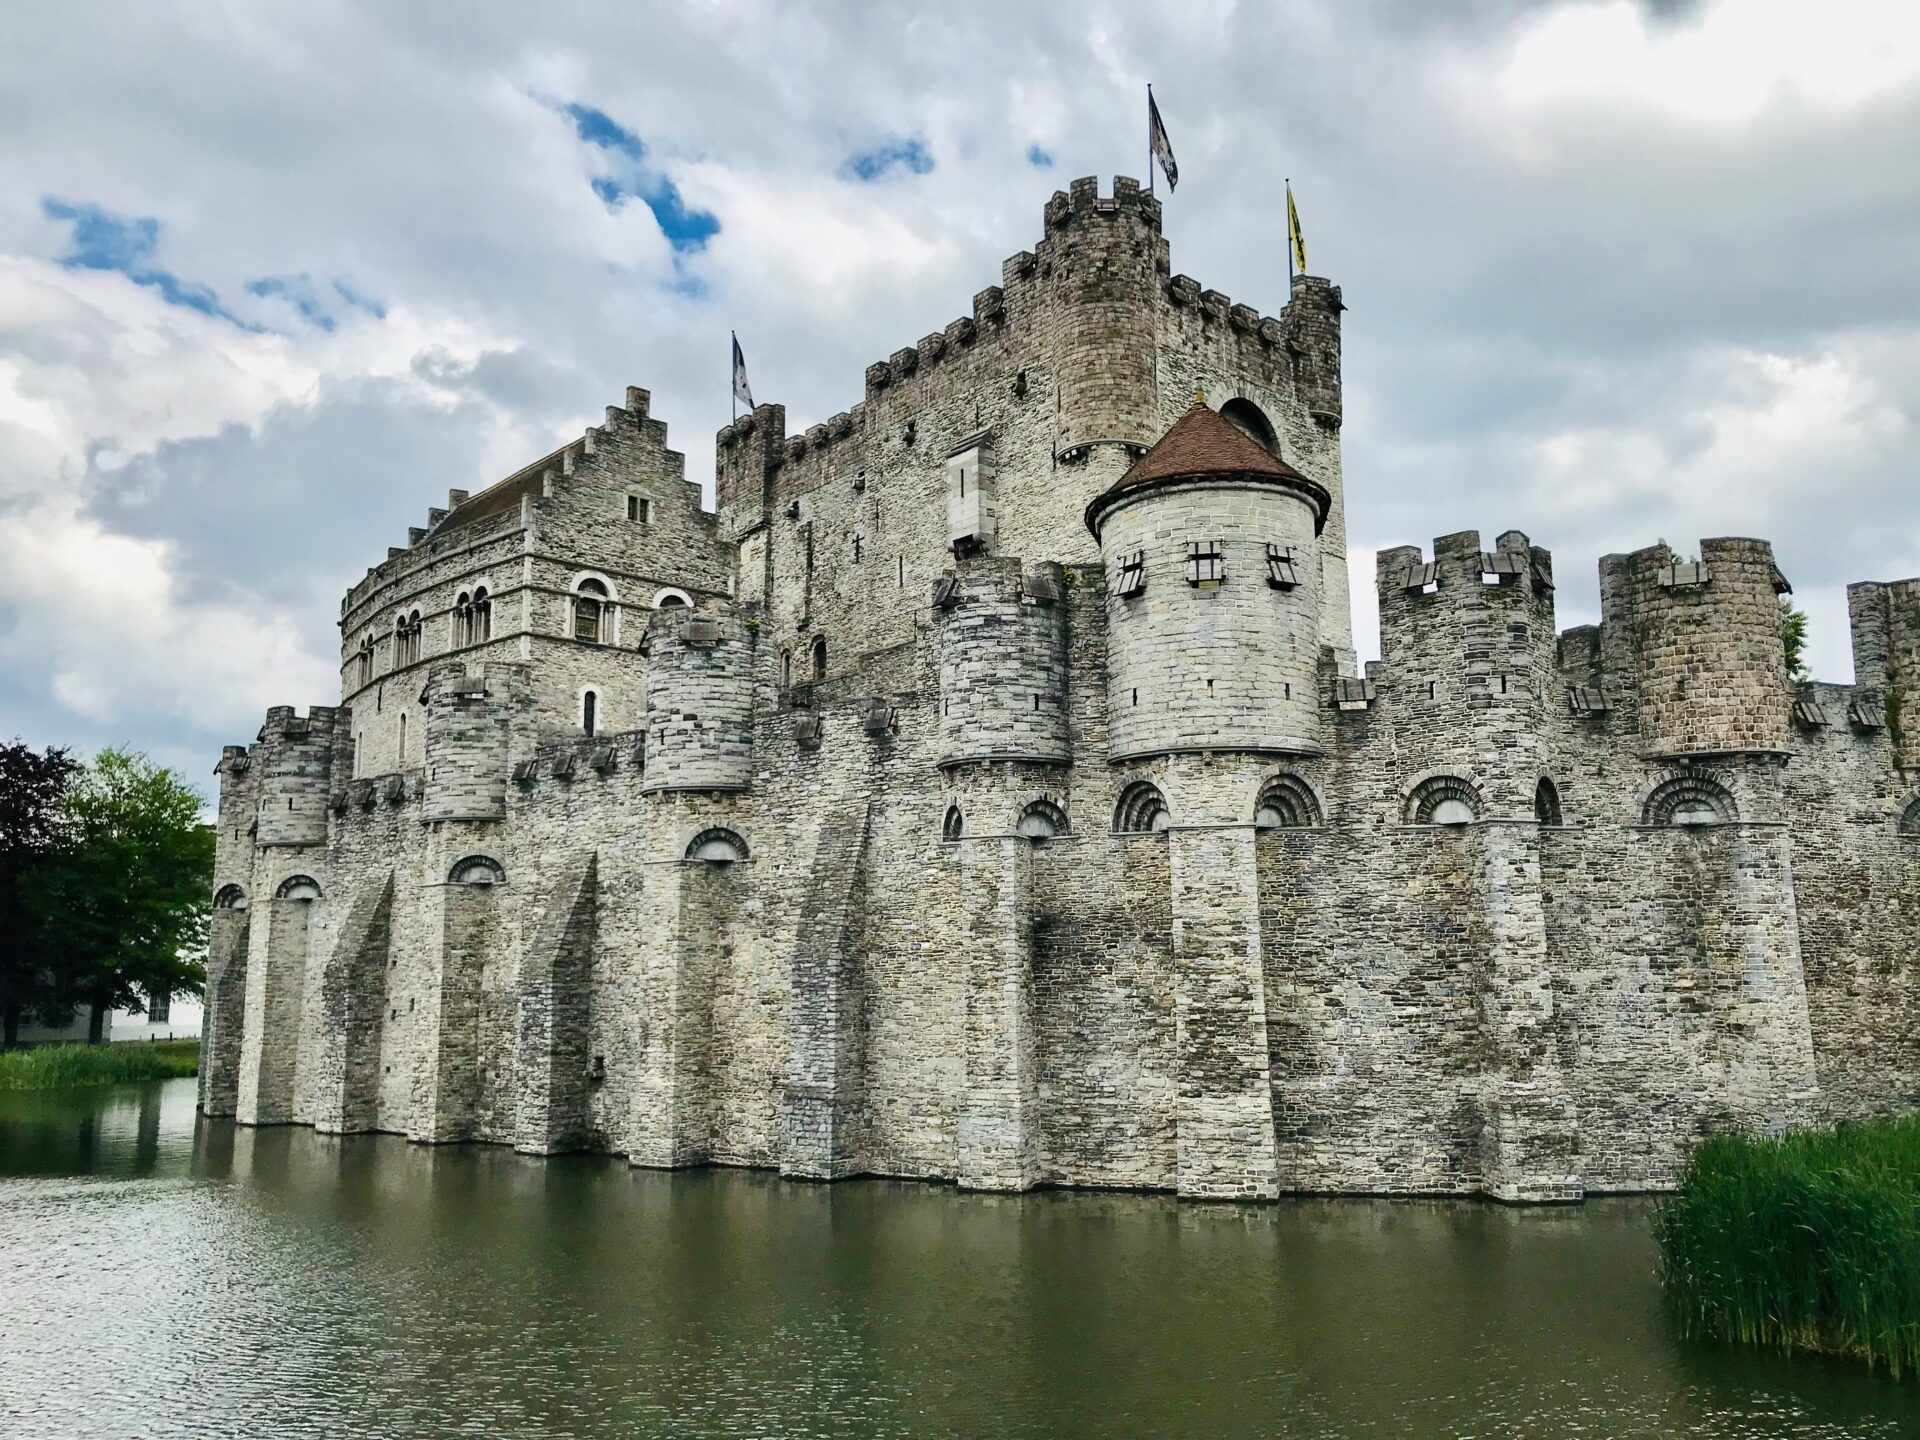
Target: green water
164	1278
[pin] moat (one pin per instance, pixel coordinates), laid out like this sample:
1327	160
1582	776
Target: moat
172	1278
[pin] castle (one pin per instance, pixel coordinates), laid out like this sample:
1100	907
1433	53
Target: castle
986	792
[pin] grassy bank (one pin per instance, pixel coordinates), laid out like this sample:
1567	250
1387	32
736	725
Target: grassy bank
1809	1242
53	1067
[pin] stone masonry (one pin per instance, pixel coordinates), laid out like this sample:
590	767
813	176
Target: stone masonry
985	792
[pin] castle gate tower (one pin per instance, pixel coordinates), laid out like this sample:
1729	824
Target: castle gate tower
1210	545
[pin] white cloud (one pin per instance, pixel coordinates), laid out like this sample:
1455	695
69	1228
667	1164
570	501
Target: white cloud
1614	276
1736	61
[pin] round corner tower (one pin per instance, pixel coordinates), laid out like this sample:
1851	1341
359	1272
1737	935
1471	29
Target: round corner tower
699	701
1210	546
1003	664
296	766
1104	263
1710	664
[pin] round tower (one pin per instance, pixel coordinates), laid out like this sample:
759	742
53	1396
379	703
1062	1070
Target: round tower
295	759
1210	548
1103	261
469	732
699	701
1710	666
1003	663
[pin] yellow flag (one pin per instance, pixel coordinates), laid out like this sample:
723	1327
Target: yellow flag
1298	240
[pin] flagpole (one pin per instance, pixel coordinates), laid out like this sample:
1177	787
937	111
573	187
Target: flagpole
733	379
1289	218
1150	137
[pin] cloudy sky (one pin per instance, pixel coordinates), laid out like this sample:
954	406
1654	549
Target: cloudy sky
274	277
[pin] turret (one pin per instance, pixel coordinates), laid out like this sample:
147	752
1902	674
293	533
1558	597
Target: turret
1102	264
1467	647
1709	665
748	452
699	700
1209	544
1886	658
1003	663
471	717
294	757
1312	321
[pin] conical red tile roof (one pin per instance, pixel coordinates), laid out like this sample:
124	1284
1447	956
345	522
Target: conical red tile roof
1203	444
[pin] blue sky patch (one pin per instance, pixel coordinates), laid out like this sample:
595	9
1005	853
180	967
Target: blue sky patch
299	292
102	240
1039	157
631	178
870	165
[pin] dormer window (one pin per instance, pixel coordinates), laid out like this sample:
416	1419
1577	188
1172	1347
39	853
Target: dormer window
1206	564
1130	574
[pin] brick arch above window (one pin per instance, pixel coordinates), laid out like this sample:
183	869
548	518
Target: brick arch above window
1287	803
1443	800
1690	800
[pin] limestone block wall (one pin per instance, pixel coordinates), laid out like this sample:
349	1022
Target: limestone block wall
1232	666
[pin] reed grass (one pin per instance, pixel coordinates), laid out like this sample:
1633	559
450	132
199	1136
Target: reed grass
1806	1242
55	1067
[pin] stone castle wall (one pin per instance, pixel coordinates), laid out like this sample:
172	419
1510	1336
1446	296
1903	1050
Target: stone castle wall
1515	913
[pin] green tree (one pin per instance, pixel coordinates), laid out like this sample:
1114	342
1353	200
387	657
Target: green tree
126	907
1793	630
32	785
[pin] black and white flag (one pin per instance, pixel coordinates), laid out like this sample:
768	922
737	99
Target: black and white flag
1161	146
742	391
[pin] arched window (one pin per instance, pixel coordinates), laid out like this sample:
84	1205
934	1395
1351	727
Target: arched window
717	846
1910	818
403	740
786	669
589	705
819	657
1286	803
477	870
1546	802
1251	421
1443	800
481	624
365	668
230	897
1142	810
954	827
406	639
1690	800
590	611
298	887
462	620
670	598
1041	820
